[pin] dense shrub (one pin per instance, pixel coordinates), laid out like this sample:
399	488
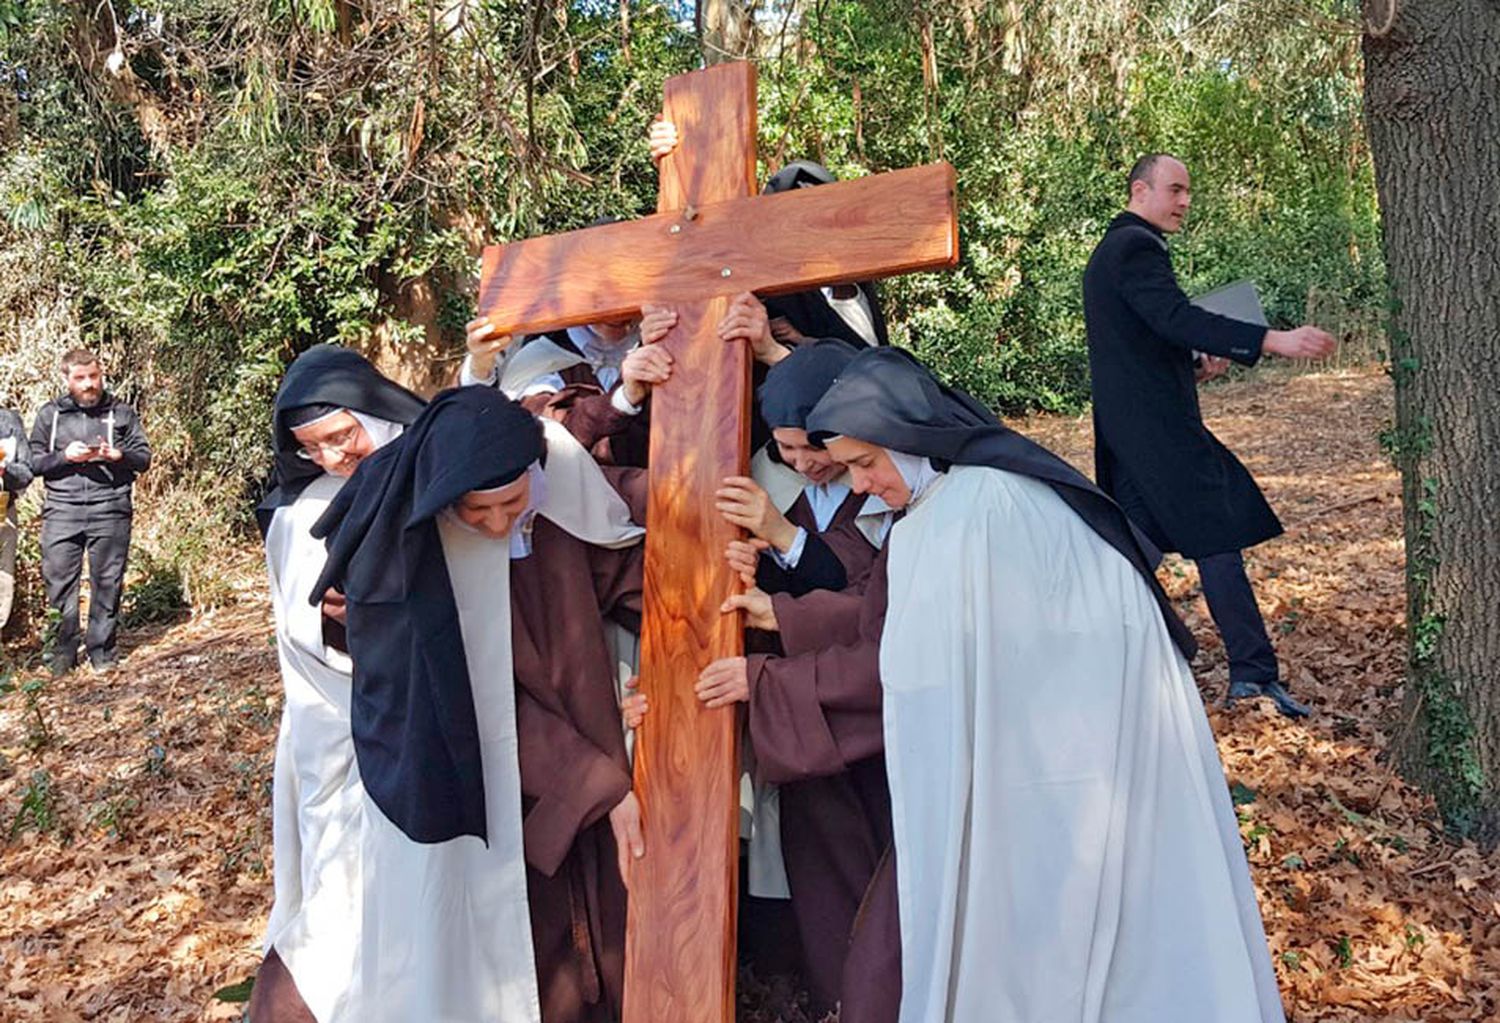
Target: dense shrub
203	189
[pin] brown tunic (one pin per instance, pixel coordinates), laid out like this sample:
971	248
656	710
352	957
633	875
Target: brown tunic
574	769
849	545
816	728
614	437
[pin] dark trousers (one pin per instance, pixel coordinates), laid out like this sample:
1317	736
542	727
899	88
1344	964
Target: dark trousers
1231	602
67	534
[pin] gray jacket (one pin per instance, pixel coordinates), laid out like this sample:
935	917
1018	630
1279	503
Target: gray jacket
96	485
17	472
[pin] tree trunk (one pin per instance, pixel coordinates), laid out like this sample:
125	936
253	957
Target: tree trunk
1432	102
726	30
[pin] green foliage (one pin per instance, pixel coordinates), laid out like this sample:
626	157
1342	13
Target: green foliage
114	813
254	181
236	994
245	180
1042	107
1345	951
39	734
157	597
38	809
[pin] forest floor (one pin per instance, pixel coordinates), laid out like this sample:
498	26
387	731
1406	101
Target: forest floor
135	835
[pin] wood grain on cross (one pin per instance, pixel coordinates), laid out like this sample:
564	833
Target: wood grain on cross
708	241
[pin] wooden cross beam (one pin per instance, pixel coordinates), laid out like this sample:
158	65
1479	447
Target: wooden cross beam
709	241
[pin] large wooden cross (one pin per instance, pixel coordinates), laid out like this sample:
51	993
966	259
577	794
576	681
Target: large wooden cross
708	241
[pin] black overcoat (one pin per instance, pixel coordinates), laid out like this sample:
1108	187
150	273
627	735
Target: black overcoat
1152	453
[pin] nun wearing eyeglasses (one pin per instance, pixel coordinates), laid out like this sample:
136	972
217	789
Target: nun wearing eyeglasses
1063	842
333	410
498	817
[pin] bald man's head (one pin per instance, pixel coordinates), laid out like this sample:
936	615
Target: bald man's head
1160	191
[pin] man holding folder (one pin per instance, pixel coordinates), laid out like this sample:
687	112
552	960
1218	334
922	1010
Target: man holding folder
1148	348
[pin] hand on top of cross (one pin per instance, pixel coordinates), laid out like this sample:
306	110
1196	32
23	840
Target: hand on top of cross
485	346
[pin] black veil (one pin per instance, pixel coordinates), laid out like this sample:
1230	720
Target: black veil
886	397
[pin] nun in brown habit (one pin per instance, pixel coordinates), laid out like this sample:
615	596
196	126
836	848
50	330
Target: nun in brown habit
480	558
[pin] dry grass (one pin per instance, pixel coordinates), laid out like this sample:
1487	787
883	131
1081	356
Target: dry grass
148	886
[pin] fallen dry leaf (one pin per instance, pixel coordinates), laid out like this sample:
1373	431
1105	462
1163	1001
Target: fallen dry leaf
149	890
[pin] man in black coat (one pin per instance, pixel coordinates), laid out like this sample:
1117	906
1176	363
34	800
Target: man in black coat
1152	453
88	447
15	474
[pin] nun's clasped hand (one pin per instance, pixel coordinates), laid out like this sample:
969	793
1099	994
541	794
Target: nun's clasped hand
634	706
745	503
724	682
743	557
760	613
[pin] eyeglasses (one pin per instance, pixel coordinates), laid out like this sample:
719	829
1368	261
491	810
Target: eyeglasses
332	449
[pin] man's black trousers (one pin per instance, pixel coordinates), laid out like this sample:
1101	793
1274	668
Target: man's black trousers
104	535
1231	602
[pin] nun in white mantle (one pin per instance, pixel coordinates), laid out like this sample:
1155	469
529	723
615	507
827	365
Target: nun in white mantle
333	410
1066	850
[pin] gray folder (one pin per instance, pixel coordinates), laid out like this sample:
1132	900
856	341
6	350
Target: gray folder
1238	301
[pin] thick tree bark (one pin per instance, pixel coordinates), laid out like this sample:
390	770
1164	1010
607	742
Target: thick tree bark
726	30
1432	99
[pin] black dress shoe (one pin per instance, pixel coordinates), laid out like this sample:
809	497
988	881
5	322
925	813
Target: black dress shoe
1288	706
1285	703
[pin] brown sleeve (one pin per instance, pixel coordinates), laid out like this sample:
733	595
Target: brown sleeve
618	582
853	549
584	409
817	620
569	782
630	483
814	715
818	710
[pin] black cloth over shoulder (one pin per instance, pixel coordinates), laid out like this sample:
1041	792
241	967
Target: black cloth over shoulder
887	397
798	382
416	736
1152	452
325	375
811	314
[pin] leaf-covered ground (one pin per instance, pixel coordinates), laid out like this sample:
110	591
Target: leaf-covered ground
135	834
